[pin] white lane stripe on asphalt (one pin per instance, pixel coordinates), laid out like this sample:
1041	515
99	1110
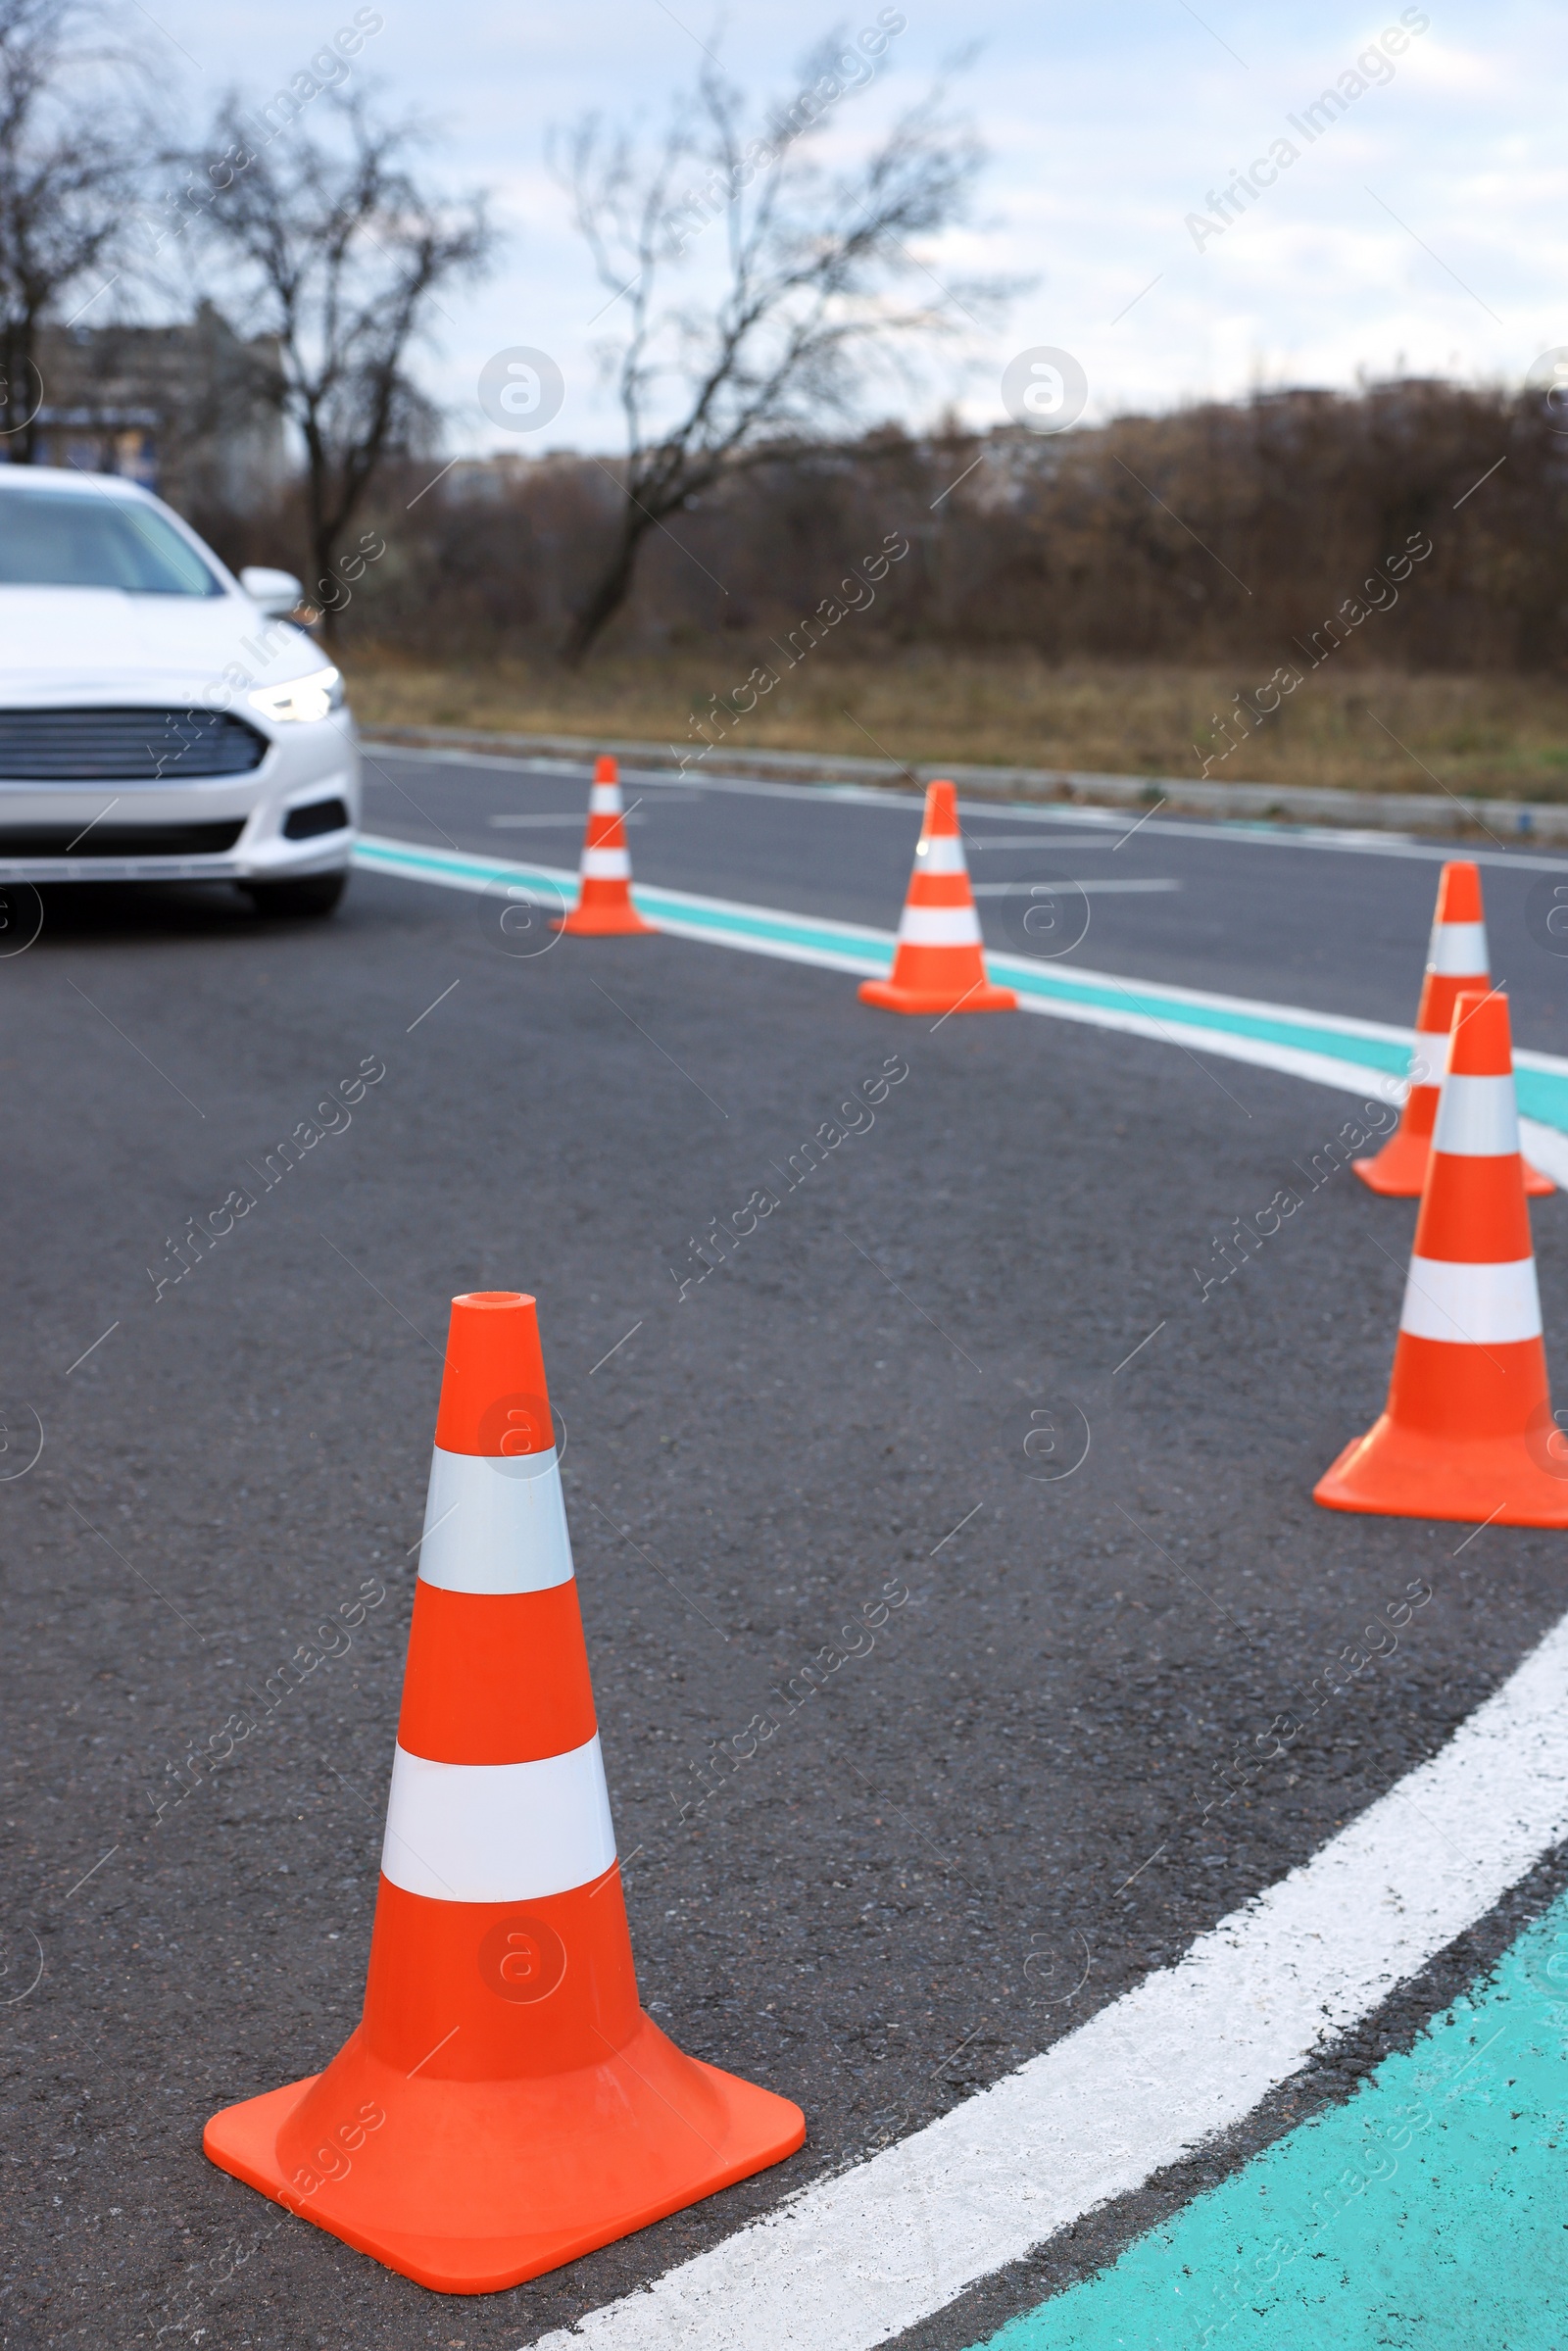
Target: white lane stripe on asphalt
1471	1305
497	1832
509	819
1035	840
1544	1149
495	1525
1187	2054
1478	1118
1096	882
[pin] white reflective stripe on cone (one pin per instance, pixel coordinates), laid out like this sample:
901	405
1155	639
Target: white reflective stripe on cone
1472	1305
603	799
497	1832
1476	1118
495	1525
941	853
1459	950
939	926
605	865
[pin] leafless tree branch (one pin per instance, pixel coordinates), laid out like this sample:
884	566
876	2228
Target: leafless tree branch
342	253
819	282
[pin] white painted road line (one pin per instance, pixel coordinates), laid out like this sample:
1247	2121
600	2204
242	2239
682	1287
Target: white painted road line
849	2262
1547	1148
1044	889
1035	840
511	819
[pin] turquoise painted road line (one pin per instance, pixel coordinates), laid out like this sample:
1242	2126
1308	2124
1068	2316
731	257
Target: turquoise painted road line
1182	1014
1428	2211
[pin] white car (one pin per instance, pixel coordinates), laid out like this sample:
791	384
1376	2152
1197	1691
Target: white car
160	721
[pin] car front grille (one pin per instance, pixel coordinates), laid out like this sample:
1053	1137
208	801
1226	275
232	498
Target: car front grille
124	747
119	840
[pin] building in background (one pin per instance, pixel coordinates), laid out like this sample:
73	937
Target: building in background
191	410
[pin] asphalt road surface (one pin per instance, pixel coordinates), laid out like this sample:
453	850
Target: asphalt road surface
1262	912
986	1826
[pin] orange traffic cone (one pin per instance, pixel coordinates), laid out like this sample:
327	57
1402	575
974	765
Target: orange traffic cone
1456	959
937	966
1468	1430
604	907
504	2105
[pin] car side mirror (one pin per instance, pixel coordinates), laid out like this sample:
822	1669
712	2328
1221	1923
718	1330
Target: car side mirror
277	593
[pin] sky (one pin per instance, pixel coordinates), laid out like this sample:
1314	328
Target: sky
1422	232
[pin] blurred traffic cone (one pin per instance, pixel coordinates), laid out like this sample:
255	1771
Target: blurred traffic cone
937	965
1456	959
1468	1430
504	2105
604	907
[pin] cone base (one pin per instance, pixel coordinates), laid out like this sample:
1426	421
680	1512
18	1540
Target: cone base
1399	1171
984	998
469	2187
1393	1472
604	922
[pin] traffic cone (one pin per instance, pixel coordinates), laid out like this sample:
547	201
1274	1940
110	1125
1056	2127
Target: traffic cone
937	966
1468	1432
504	2105
603	907
1456	959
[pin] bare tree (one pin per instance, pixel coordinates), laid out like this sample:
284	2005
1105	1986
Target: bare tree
71	150
342	252
811	266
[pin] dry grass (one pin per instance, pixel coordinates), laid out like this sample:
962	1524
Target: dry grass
1357	729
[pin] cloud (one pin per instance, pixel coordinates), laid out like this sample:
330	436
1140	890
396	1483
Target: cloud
1107	126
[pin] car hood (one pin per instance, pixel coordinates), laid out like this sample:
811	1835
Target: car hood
97	645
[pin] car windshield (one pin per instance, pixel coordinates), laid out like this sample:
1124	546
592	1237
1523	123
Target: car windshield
74	539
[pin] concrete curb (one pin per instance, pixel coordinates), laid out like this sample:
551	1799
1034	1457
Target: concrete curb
1459	814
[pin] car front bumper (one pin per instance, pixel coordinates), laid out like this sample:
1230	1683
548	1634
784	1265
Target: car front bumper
306	765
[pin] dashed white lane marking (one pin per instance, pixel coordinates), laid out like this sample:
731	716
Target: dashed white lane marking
858	2258
573	821
1095	882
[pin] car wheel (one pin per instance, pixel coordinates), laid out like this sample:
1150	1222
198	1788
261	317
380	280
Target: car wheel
312	894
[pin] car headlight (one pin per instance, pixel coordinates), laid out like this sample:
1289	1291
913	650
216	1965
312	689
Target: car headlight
305	697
